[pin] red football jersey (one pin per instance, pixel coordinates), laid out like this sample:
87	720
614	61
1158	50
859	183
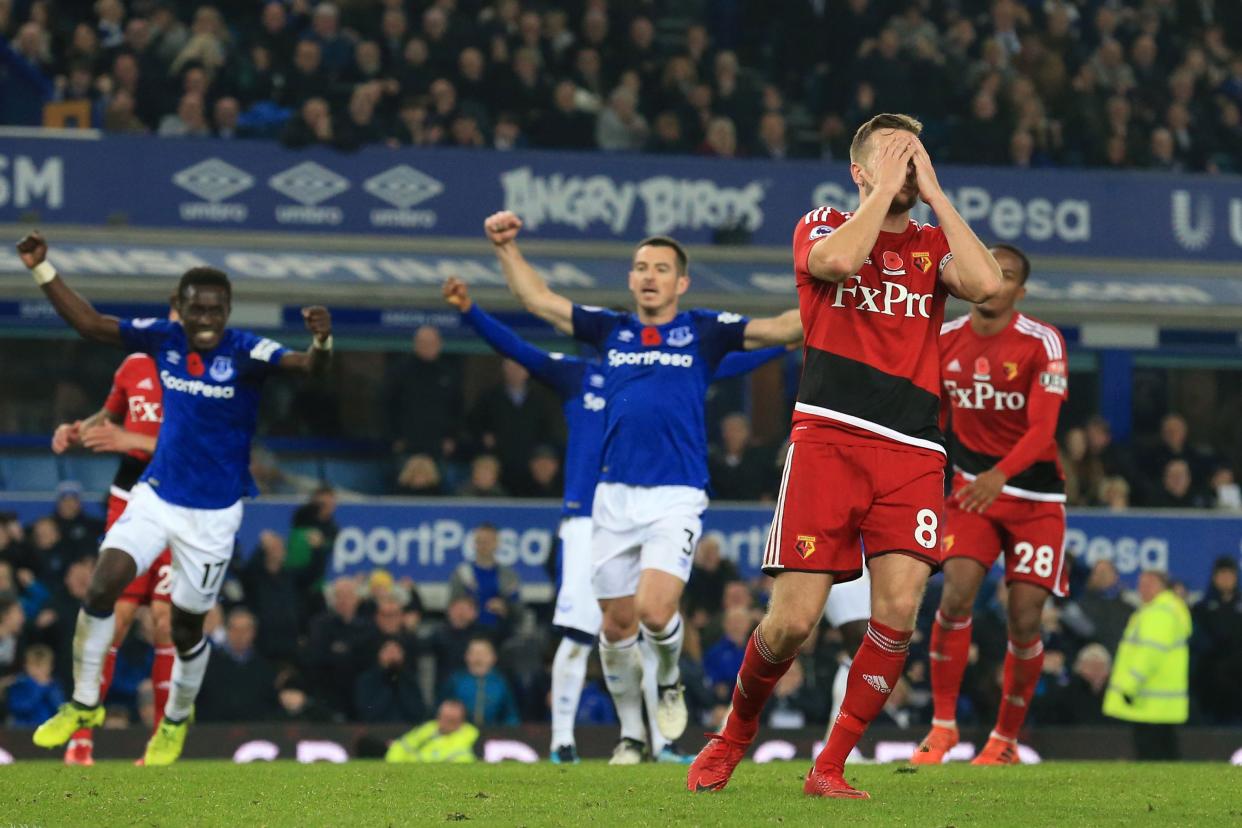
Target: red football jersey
1005	392
872	366
138	397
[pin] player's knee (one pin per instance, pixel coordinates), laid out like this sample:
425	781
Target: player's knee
1024	623
656	616
897	611
186	635
161	630
784	634
956	603
104	590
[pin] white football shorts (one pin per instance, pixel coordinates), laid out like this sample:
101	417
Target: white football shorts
643	527
576	606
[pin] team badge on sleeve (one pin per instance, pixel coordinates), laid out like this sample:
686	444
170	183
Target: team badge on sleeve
820	230
1053	378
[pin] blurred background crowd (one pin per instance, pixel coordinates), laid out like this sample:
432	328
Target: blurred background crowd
1030	83
290	646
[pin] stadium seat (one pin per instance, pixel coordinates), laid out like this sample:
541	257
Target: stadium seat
364	476
94	472
29	472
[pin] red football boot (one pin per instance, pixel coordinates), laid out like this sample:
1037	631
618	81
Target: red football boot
998	751
714	765
932	750
80	749
831	785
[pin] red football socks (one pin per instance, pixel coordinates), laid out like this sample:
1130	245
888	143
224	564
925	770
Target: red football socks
1023	664
161	678
950	651
759	674
876	670
105	680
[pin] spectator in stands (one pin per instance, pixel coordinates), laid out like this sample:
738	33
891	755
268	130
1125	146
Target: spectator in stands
1174	444
1226	494
423	399
79	532
710	573
340	645
1083	472
1079	700
12	641
507	134
481	688
494	587
312	125
359	127
667	138
564	125
325	31
1176	488
319	514
484	478
773	142
1115	494
723	659
511	418
720	139
240	685
224	116
1102	604
739	470
277	595
189	121
389	691
51	555
15	550
544	474
34	697
308	79
621	127
1218	644
420	477
448	738
449	641
56	621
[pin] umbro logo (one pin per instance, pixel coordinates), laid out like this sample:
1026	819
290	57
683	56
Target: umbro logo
403	187
173	357
308	183
146	384
626	336
878	683
213	180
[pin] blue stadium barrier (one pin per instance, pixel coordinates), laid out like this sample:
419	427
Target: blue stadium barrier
30	472
372	477
93	471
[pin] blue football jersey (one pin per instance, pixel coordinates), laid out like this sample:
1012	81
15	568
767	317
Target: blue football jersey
211	408
655	386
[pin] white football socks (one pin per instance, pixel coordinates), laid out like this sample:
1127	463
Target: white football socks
187	678
91	639
651	695
569	669
666	644
623	673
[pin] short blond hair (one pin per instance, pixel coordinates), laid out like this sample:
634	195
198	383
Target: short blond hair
885	120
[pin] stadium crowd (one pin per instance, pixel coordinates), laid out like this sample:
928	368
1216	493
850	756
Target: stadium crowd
1121	84
292	646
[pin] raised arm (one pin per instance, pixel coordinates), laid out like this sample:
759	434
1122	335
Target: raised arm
840	254
534	294
315	359
541	364
972	274
738	363
72	307
785	329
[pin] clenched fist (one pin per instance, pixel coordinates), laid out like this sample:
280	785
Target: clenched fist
318	322
502	227
32	249
457	294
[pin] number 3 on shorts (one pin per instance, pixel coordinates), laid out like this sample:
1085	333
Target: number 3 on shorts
925	531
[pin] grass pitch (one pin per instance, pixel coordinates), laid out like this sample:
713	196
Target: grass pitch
371	793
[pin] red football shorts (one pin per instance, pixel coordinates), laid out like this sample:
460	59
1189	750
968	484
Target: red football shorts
837	500
1031	533
156	583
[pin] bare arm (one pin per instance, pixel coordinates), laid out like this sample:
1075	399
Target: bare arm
838	255
68	435
534	294
106	436
972	274
785	329
315	359
72	307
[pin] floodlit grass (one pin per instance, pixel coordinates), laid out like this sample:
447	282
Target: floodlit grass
371	793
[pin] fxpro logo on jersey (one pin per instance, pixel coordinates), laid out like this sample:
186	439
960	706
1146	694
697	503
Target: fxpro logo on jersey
983	395
669	204
646	358
893	299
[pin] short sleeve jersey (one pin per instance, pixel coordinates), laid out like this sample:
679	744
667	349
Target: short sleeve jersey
211	409
655	387
871	369
136	398
994	385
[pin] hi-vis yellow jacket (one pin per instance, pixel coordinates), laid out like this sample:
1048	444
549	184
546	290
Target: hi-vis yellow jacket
1153	665
425	743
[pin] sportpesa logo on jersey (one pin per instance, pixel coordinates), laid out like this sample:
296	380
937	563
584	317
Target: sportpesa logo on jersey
196	388
645	358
